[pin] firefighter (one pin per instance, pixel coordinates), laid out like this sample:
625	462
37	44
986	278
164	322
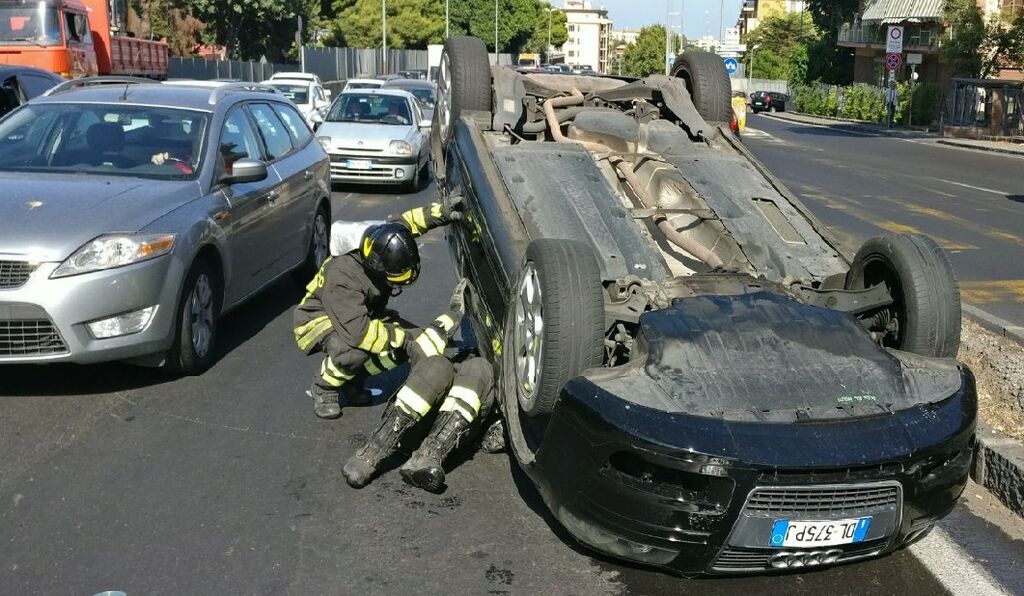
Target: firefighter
344	313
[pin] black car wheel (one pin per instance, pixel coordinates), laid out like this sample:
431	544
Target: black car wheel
463	83
708	83
773	109
556	322
319	247
195	338
416	182
924	317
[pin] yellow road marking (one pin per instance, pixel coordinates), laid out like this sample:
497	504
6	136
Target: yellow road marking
987	292
898	228
939	192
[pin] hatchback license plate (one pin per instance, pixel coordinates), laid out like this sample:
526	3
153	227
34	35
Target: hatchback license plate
359	164
818	533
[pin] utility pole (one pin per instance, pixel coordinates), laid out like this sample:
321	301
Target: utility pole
446	29
298	44
384	35
721	22
495	32
668	35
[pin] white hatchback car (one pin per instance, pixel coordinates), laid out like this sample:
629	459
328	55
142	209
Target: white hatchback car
309	96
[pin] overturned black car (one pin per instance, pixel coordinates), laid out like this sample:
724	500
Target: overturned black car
692	371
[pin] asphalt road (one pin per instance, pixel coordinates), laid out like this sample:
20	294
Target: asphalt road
116	478
970	202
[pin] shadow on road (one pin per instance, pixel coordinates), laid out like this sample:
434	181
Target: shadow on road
1017	198
237	327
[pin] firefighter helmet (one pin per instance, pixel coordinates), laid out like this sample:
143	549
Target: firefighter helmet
389	250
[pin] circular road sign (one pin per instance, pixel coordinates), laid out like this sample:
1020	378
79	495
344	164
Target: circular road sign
731	65
893	61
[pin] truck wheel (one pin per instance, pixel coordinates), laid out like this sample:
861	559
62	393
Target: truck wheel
463	83
556	322
707	82
195	337
924	317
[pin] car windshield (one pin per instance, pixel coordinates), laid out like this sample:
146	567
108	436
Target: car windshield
30	24
116	140
370	109
424	95
297	93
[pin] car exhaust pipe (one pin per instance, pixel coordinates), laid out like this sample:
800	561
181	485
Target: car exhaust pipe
701	252
575	98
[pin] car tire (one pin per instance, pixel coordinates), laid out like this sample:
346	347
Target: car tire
556	322
463	83
773	109
194	347
319	247
416	183
924	288
708	84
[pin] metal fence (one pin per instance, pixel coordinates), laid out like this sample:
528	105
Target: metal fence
970	104
330	64
748	86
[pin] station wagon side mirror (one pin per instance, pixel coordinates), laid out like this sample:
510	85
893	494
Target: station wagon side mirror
245	170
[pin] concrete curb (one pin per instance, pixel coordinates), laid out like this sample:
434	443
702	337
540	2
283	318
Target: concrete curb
952	143
999	467
854	126
996	325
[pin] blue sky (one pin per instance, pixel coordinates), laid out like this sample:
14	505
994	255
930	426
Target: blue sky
637	13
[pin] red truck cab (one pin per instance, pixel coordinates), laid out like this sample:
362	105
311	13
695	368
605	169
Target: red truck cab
76	38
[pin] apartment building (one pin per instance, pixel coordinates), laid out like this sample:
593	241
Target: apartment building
590	35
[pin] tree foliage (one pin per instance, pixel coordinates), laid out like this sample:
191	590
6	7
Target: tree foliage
779	47
411	23
828	61
547	16
979	47
646	55
162	19
252	28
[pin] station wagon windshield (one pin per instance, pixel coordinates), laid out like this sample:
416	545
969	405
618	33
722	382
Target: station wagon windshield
141	141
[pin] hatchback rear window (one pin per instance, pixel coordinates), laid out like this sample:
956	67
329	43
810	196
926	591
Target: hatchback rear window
142	141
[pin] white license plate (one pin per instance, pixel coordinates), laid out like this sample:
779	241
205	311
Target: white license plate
818	533
359	164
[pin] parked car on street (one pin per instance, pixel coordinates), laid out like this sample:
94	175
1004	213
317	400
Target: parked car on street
352	84
691	369
310	97
377	136
425	92
18	84
136	214
768	101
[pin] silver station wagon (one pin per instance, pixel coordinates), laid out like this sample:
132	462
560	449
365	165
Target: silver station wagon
135	214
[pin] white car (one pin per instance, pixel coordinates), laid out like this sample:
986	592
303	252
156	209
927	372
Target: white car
309	96
377	136
296	76
363	84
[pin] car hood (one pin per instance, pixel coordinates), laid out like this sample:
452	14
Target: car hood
49	216
365	137
769	358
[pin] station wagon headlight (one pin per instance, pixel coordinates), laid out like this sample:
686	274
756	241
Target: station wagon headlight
400	148
115	250
325	142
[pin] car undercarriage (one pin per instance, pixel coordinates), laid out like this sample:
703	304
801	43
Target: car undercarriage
688	361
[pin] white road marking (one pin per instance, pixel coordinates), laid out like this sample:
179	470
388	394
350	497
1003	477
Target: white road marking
957	571
982	189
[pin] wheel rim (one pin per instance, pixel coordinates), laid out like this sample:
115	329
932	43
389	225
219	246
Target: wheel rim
529	334
444	94
320	247
200	307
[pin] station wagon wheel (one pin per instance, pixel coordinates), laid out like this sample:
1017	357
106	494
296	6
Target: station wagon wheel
319	247
196	329
529	336
463	83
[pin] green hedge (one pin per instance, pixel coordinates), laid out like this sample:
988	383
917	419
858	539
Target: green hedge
865	102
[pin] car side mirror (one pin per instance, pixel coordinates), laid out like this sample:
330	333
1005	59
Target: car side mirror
425	124
327	93
245	170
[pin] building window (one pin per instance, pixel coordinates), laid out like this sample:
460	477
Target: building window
572	54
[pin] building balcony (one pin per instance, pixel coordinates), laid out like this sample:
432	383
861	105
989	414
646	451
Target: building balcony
917	37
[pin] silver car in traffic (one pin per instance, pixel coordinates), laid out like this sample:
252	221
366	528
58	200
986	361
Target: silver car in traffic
134	215
377	136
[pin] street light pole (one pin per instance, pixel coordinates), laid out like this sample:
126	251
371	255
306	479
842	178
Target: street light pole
446	29
384	35
495	32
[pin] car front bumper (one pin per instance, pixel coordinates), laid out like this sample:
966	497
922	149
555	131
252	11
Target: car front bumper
678	491
45	320
381	169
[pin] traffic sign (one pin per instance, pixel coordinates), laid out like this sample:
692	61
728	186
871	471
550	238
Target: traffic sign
731	65
893	61
894	40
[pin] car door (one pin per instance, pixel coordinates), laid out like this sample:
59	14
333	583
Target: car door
291	209
35	85
248	227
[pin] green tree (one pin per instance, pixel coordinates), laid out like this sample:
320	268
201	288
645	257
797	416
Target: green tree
411	23
767	64
548	19
646	55
162	19
518	21
979	47
781	43
252	28
828	61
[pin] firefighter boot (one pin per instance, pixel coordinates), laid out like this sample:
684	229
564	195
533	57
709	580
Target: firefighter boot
425	469
325	402
355	393
361	467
